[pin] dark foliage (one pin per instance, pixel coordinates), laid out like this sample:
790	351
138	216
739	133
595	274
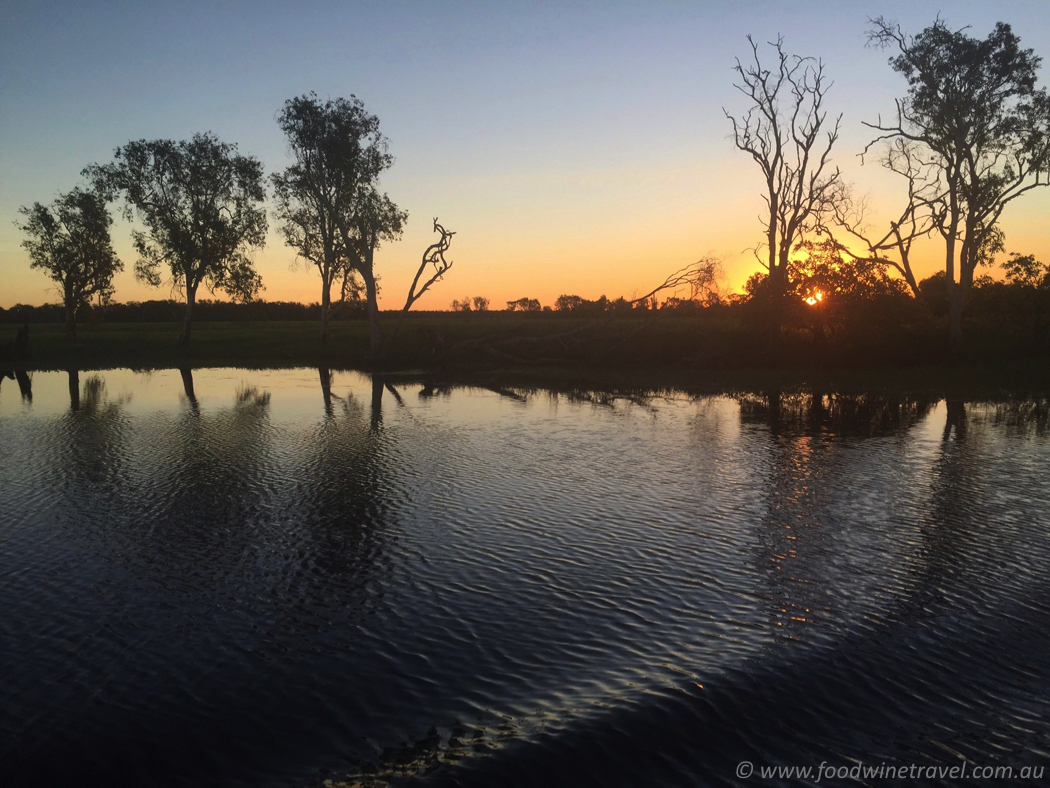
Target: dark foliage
170	311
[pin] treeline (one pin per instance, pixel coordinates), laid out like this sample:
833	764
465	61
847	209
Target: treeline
203	211
170	311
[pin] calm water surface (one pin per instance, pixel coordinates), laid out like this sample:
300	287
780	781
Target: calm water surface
230	577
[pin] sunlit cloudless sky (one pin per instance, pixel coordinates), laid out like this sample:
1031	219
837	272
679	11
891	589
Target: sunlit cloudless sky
576	148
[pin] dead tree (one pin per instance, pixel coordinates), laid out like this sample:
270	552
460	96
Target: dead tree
433	256
700	277
784	132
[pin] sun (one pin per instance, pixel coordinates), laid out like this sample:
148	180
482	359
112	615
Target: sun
815	298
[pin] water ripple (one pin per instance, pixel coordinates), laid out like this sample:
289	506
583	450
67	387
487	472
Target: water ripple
268	584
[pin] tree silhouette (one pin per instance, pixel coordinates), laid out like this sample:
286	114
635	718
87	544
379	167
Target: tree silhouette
972	134
525	304
784	132
339	155
200	203
307	227
70	241
434	256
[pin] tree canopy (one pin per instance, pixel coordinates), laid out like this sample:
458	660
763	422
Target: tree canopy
70	241
306	226
971	134
339	156
200	202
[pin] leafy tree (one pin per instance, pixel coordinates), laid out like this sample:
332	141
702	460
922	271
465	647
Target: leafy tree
468	304
567	303
972	134
680	304
785	132
200	202
307	227
1024	270
821	272
70	241
524	305
339	156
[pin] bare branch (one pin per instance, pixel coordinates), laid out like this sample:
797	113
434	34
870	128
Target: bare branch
699	277
433	256
784	132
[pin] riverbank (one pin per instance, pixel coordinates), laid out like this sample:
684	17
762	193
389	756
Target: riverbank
702	356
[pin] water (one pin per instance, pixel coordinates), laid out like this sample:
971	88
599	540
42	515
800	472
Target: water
231	577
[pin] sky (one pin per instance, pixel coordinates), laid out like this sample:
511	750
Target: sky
574	148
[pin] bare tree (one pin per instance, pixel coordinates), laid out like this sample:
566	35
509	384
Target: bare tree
433	256
784	132
976	131
700	278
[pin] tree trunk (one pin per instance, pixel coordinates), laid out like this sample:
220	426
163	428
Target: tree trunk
778	281
74	390
377	403
375	331
326	311
955	326
187	321
71	315
326	389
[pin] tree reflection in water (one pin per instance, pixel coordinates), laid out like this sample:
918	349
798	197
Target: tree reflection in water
342	496
92	456
806	472
188	391
243	542
24	380
266	588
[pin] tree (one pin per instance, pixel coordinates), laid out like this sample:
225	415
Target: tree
70	241
973	132
525	304
306	226
568	303
433	256
339	155
1025	271
468	304
700	278
783	131
821	272
200	203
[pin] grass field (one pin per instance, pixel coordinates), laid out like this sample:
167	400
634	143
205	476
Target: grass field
258	344
680	352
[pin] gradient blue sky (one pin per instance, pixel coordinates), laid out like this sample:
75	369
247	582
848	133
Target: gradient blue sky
574	147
